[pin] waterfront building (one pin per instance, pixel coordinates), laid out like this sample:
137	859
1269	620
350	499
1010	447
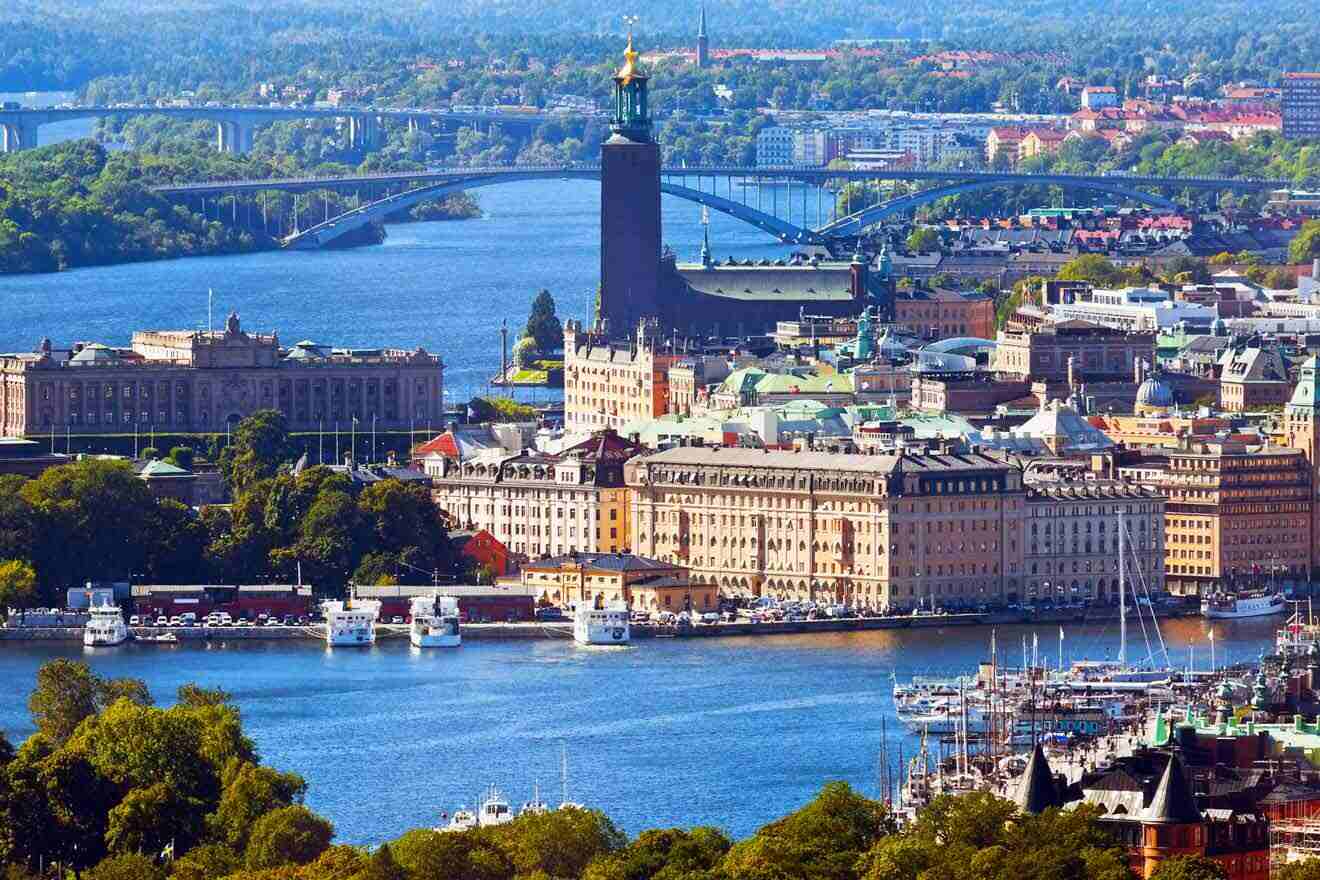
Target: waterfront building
537	504
1301	105
886	531
1071	541
611	382
1235	512
641	583
203	381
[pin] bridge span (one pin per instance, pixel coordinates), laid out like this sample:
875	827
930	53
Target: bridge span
402	190
236	124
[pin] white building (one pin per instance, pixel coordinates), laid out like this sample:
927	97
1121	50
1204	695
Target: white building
1134	309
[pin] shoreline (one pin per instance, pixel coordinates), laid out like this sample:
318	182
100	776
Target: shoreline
563	629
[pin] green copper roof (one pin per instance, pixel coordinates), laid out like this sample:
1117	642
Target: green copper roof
1307	392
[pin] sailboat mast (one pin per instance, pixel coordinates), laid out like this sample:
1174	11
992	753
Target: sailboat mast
1122	600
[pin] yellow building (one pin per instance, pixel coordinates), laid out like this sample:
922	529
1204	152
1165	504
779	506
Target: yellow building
879	531
609	383
644	584
538	504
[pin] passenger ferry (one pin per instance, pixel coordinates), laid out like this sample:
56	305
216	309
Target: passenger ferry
105	627
1253	604
350	622
434	622
601	623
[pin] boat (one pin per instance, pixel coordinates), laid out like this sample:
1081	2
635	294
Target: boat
434	622
1257	603
601	622
105	627
536	806
350	622
495	810
160	639
462	820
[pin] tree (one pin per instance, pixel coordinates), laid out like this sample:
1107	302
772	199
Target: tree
210	861
560	843
924	239
149	819
259	446
382	866
292	834
1091	268
1305	246
194	696
65	694
438	855
1307	869
543	324
99	507
181	456
126	866
821	841
1189	868
525	353
251	791
149	452
178	543
18	585
664	854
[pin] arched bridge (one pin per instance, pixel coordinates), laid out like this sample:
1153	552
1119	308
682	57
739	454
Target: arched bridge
417	187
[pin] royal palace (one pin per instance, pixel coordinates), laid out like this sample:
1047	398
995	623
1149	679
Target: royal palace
192	380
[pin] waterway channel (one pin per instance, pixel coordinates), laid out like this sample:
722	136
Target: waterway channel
731	732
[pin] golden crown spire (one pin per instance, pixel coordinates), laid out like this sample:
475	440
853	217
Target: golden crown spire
630	68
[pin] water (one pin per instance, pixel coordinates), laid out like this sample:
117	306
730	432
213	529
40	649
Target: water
444	285
731	732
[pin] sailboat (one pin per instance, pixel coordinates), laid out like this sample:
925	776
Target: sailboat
563	782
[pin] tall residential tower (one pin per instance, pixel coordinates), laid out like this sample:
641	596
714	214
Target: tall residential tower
703	44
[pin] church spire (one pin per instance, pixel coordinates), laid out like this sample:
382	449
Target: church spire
703	43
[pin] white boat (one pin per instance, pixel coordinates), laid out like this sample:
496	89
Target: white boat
350	622
434	622
601	623
462	820
162	639
105	627
536	806
1231	605
495	810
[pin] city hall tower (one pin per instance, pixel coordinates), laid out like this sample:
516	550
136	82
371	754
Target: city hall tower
630	243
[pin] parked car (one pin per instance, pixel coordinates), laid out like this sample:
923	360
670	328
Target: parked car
396	619
162	620
135	621
710	617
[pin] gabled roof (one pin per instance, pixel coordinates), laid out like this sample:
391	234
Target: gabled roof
1036	790
1173	802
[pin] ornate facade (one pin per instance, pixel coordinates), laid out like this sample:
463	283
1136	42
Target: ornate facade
883	531
609	383
540	505
201	381
1071	539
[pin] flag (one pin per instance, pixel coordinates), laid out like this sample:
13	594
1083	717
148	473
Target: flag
167	854
1060	633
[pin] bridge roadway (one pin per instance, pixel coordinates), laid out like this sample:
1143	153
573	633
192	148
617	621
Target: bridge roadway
428	185
236	124
813	176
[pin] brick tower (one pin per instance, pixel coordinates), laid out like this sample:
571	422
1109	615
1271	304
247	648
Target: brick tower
629	206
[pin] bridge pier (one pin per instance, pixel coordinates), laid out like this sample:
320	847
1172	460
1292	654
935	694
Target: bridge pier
234	136
364	132
17	136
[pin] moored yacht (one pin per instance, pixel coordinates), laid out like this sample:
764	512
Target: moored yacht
600	622
495	810
105	627
434	622
1258	603
350	622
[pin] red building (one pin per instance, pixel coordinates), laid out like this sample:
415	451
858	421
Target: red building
484	549
245	600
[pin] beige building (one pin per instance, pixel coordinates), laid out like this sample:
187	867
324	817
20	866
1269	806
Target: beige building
609	383
1252	376
193	380
882	531
1071	539
1235	511
541	505
1052	350
644	584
